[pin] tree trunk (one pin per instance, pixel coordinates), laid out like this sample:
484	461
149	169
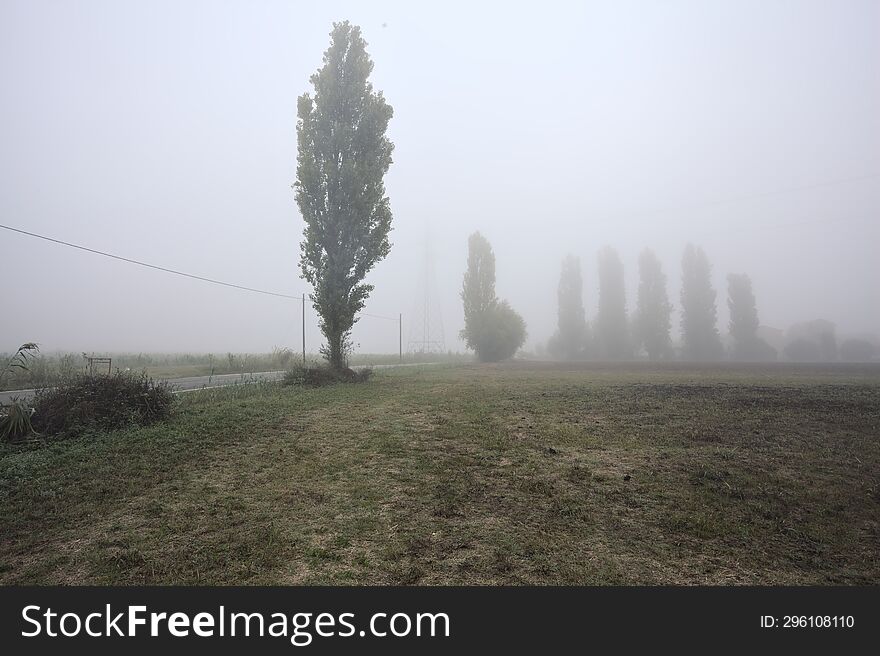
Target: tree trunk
336	353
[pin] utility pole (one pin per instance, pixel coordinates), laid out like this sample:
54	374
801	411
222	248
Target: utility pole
304	329
400	335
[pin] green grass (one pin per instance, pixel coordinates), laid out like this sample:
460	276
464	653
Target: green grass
516	473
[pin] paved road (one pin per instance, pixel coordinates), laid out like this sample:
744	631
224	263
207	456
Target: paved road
192	383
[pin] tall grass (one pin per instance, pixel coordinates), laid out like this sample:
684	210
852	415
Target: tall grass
48	369
15	417
15	421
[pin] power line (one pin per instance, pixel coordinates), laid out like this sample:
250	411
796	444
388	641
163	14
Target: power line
174	271
152	266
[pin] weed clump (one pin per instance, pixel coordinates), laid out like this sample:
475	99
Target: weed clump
15	421
108	402
322	376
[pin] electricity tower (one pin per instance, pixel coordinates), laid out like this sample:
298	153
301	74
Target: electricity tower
426	328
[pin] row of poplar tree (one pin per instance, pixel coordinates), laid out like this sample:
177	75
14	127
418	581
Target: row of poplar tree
613	336
343	153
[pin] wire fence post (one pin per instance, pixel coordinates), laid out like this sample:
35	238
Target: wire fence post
304	329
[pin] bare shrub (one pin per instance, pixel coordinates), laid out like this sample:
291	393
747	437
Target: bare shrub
322	376
104	402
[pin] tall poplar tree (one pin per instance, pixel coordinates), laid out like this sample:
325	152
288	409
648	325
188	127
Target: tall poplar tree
478	289
699	316
653	307
343	155
747	345
612	334
571	335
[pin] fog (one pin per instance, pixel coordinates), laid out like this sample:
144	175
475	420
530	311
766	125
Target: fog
166	132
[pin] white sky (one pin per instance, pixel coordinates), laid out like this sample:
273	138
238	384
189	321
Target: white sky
165	131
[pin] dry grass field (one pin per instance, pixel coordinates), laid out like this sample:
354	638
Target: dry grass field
521	473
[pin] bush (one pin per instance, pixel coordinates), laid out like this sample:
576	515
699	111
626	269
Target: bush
294	376
104	402
321	376
15	421
499	333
